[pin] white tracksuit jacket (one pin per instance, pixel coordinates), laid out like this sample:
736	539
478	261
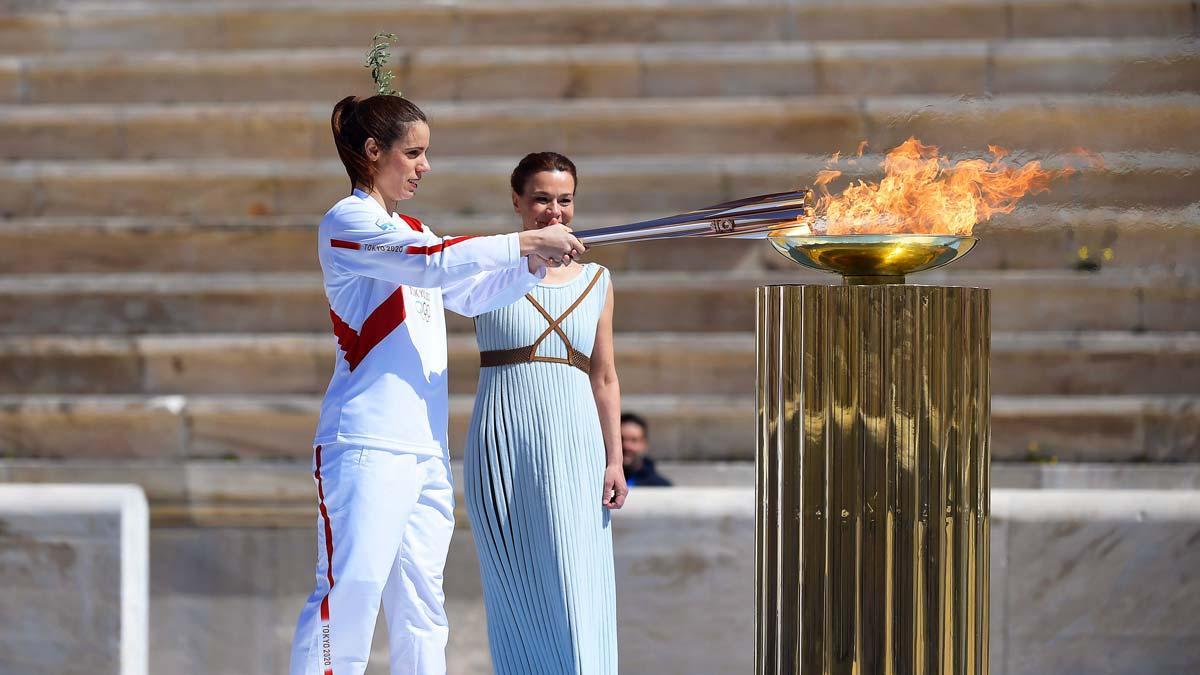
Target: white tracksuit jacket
381	464
387	277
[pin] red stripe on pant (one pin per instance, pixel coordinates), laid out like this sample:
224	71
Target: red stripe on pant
326	652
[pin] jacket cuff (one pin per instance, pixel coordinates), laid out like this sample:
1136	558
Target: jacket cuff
539	275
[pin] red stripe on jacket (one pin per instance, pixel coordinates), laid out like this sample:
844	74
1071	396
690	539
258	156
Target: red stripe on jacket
356	345
413	223
414	250
436	248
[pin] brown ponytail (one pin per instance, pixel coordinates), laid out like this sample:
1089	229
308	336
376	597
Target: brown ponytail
354	120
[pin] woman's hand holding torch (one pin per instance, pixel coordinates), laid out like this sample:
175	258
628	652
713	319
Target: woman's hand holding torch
554	244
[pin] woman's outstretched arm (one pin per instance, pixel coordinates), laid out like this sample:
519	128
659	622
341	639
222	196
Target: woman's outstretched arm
607	391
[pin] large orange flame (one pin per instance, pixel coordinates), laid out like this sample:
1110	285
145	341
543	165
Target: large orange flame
923	192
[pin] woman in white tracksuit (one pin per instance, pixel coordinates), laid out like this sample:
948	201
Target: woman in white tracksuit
380	461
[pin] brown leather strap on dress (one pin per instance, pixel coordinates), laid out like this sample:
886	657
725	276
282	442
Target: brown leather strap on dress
508	357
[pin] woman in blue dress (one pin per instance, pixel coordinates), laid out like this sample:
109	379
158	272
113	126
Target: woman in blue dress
543	461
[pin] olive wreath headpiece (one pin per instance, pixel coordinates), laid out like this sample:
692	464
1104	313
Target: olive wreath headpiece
377	58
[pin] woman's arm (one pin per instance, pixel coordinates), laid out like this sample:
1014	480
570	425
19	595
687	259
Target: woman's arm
492	289
607	392
361	241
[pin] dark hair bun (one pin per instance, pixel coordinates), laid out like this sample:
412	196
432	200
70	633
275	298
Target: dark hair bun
537	162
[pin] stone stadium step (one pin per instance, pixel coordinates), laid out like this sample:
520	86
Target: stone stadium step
691	427
89	26
479	185
958	67
1045	363
809	125
716	301
1030	238
197	490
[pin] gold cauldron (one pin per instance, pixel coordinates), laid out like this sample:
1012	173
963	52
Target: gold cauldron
872	258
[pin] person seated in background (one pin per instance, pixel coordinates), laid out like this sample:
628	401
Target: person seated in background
635	442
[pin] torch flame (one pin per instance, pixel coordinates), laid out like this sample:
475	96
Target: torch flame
922	192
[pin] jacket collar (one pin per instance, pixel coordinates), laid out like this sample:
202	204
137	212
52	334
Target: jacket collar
368	198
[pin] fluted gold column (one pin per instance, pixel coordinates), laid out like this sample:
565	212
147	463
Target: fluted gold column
873	480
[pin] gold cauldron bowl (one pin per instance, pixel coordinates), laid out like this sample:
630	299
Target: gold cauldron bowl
872	258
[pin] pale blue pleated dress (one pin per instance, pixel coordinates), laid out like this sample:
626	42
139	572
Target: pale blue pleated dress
534	474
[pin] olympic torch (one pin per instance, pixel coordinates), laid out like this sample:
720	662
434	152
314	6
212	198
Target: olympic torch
751	218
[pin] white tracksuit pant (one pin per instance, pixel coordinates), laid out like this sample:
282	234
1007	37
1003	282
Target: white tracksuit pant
383	530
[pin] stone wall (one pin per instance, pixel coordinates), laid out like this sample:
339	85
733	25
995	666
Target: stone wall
73	580
225	599
1093	581
1083	581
